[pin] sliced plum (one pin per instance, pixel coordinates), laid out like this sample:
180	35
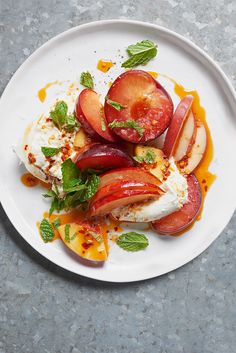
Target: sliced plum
144	103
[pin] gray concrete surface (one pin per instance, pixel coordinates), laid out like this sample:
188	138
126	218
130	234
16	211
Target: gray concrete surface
46	309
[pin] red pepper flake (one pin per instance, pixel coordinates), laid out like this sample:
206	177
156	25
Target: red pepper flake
26	147
203	181
31	158
86	245
206	188
48	120
116	229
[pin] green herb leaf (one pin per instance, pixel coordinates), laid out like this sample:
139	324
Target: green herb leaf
49	193
86	80
127	124
73	237
132	241
70	172
67	233
71	122
114	104
103	125
50	151
46	230
92	185
149	158
59	113
56	223
140	53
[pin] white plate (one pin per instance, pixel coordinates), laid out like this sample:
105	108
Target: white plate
64	58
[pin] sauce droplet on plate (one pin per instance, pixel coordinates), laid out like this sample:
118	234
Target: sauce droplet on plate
104	65
42	93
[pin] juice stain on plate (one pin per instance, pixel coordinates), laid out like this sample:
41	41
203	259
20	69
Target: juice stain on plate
42	93
30	181
104	65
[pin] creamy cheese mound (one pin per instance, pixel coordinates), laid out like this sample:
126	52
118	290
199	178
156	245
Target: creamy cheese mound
43	133
176	195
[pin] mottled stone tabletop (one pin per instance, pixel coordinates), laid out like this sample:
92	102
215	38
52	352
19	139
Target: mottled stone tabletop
46	309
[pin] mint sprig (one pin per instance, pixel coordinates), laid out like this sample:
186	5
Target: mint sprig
140	53
78	187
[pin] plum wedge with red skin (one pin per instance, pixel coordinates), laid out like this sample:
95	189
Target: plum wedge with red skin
103	157
119	185
90	113
143	101
181	219
130	173
176	125
118	199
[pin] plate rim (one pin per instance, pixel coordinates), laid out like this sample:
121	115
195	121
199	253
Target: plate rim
4	200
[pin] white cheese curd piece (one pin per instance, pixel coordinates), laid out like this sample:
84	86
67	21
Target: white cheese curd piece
43	133
176	195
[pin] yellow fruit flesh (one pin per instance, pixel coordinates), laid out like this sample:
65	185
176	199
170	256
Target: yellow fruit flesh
81	139
160	165
83	243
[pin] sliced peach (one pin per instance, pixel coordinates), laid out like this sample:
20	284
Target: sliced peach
176	125
160	165
90	113
186	137
84	240
81	139
118	199
198	149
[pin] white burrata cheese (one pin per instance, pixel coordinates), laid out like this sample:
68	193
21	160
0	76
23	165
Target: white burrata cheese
175	196
43	133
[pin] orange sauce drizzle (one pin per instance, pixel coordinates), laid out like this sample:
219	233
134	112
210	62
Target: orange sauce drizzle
154	74
30	181
42	93
104	65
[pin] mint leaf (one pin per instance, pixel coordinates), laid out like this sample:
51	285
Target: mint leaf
114	104
86	80
149	158
92	184
56	223
69	172
127	124
103	125
132	241
46	231
71	122
59	113
49	193
50	151
140	53
67	233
